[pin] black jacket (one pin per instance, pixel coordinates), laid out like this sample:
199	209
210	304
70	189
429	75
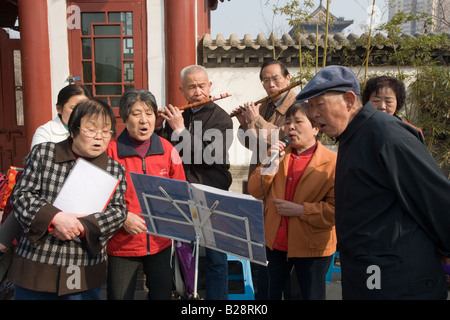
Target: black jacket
392	211
204	145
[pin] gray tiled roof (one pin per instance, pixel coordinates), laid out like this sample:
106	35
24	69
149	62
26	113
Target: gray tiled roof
349	50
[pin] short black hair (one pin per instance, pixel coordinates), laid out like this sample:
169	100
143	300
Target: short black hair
130	97
376	83
284	70
91	108
71	90
303	107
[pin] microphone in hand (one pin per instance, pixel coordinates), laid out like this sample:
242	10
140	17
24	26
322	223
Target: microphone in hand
286	140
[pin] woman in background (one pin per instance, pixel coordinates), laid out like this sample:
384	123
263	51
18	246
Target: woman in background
56	130
387	94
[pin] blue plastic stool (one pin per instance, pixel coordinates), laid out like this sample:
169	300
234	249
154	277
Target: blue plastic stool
246	276
333	268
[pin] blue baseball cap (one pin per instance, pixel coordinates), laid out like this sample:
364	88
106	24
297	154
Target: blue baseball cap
331	78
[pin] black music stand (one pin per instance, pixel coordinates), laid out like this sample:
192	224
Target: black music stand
221	220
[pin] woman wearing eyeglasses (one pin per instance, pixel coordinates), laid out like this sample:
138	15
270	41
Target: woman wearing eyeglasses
49	263
140	150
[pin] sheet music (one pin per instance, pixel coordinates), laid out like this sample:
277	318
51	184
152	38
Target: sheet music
86	190
223	192
225	221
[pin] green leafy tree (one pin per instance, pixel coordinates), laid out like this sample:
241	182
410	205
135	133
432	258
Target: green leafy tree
428	98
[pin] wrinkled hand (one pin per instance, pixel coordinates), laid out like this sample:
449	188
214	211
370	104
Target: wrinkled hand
159	120
134	224
174	117
276	148
240	116
289	208
67	226
3	248
248	113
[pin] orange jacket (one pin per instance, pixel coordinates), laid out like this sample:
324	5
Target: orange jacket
313	234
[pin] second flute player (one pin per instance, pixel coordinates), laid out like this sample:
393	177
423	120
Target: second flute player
261	121
272	97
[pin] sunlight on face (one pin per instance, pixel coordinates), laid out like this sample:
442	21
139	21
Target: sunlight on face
330	113
300	130
88	147
140	122
273	80
196	86
67	108
384	100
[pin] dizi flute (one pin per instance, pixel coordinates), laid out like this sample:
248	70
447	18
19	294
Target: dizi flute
200	103
273	95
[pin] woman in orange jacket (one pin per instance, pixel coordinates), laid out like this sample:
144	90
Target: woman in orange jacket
298	192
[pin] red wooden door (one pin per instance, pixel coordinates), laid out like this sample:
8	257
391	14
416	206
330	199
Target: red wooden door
108	51
13	142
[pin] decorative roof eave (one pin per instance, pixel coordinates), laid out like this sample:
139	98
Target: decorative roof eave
247	52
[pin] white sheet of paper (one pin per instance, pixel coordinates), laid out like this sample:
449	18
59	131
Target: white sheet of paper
223	192
86	190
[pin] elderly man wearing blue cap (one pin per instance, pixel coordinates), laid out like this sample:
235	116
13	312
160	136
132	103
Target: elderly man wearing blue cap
392	199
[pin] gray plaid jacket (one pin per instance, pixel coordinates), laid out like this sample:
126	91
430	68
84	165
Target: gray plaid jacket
46	169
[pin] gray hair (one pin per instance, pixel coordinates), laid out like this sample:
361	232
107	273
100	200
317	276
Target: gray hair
130	97
192	69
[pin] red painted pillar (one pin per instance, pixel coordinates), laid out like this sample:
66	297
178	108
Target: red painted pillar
35	52
181	45
203	18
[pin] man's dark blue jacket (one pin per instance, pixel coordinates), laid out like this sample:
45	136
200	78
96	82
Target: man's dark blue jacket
392	211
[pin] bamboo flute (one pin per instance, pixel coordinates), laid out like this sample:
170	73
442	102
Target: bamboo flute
273	95
200	103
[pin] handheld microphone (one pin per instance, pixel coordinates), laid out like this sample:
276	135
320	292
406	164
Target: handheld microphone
286	141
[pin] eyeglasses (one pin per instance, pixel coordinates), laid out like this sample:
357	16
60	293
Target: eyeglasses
269	80
91	133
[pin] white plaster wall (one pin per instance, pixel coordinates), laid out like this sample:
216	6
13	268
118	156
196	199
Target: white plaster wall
244	85
59	48
155	50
